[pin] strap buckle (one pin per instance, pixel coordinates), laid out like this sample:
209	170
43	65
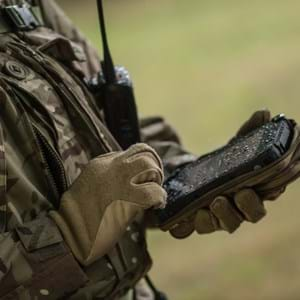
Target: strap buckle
22	17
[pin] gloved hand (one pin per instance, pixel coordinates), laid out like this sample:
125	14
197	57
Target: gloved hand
247	204
105	199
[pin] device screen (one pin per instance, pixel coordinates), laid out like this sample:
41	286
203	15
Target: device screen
222	162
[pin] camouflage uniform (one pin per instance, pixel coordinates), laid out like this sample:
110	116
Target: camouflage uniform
42	151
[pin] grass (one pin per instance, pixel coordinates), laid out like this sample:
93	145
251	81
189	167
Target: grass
206	66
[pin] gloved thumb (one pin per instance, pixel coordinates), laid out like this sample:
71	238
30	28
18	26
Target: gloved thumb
257	119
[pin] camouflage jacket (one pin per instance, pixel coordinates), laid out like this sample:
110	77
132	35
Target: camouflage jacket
42	151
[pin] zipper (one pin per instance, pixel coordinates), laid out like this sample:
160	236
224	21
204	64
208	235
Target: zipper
46	152
53	164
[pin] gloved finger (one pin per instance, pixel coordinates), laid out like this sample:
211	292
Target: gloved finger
257	119
205	222
250	204
141	150
274	195
144	163
150	195
182	230
151	175
135	149
151	156
228	216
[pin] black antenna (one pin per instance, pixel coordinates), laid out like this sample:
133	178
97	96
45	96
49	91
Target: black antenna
108	65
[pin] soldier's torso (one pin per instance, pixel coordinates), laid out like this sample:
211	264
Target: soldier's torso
51	128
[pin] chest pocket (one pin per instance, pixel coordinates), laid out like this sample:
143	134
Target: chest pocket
52	96
51	121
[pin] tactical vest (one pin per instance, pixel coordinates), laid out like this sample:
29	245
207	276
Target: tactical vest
37	64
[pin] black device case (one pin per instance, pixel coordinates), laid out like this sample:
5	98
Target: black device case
195	185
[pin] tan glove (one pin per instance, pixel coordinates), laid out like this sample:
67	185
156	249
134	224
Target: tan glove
107	196
247	204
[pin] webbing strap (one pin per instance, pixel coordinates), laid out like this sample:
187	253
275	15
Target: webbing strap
16	18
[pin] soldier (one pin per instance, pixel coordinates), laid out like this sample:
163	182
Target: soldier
72	202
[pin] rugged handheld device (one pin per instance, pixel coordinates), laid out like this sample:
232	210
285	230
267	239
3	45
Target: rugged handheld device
115	92
239	163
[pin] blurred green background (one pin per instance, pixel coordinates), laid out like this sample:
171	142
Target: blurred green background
206	66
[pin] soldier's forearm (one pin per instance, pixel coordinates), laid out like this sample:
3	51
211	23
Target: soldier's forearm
35	261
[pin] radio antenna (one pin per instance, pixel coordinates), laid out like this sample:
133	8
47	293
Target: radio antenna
108	64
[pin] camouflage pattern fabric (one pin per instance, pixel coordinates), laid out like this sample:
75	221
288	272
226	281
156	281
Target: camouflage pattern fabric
56	19
42	151
3	179
39	139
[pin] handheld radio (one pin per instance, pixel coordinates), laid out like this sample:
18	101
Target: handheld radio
116	93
